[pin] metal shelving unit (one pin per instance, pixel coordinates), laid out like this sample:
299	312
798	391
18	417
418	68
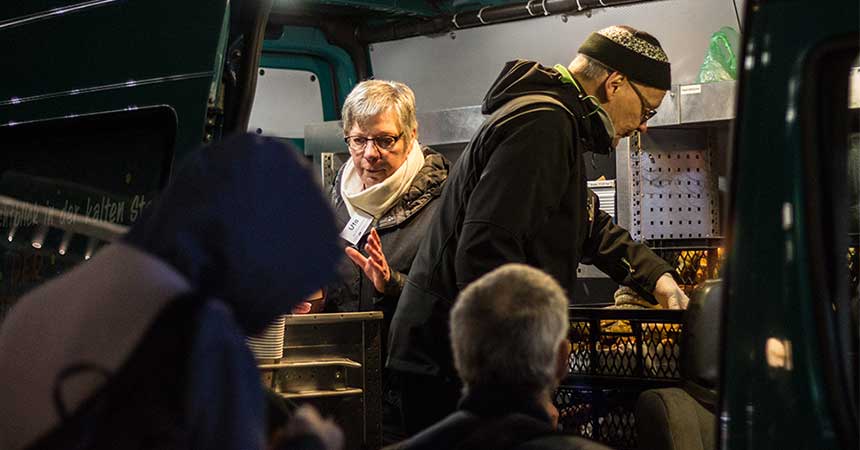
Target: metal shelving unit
333	361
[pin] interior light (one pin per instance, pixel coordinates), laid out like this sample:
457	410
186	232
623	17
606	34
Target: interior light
39	236
64	243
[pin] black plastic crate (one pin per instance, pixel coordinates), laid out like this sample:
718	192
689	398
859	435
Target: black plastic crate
604	415
853	263
624	343
694	260
617	354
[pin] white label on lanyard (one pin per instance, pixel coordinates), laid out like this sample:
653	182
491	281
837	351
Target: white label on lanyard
355	228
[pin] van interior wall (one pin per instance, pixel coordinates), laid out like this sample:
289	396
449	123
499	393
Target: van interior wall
455	70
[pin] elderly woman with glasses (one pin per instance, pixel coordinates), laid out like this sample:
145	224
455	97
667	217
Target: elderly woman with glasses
383	196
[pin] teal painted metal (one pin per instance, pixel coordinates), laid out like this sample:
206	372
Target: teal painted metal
110	55
306	41
311	64
380	10
469	5
215	90
393	7
769	291
299	143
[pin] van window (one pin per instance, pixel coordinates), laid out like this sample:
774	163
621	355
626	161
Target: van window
284	102
832	150
71	184
853	256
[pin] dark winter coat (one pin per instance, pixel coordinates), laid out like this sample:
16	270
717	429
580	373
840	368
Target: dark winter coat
400	230
499	418
517	194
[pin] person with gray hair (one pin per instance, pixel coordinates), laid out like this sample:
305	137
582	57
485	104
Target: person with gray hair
510	326
509	339
383	196
384	199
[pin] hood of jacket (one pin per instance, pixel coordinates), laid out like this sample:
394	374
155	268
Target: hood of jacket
521	77
244	221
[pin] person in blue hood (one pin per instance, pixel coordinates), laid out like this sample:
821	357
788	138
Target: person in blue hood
518	193
143	346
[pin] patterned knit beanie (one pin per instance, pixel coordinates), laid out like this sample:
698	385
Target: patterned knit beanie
634	53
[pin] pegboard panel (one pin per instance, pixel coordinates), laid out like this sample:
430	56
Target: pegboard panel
674	192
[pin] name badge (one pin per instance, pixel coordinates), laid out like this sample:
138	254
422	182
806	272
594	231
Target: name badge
355	228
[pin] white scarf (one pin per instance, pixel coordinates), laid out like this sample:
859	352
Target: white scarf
377	199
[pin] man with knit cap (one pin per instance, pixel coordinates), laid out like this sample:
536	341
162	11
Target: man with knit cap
518	194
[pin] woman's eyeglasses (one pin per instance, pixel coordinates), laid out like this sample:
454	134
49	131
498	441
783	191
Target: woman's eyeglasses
359	143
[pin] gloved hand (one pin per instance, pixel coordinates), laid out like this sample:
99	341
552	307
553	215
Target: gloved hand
627	298
669	294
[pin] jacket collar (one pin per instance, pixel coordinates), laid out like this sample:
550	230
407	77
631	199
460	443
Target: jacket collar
499	400
426	186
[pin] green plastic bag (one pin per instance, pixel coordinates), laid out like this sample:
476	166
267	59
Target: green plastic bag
721	62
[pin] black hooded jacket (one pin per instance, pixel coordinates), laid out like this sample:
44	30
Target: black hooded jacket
517	194
244	224
400	230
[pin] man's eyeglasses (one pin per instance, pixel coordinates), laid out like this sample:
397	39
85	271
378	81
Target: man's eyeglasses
359	143
647	111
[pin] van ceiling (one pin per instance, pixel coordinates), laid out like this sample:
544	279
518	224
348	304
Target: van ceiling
383	20
379	10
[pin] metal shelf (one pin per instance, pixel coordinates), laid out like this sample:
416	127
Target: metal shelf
326	318
690	104
286	363
322	394
707	102
683	104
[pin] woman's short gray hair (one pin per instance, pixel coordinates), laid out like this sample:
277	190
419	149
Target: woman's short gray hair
507	327
588	68
372	97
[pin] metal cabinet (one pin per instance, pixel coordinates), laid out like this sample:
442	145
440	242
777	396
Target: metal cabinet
333	361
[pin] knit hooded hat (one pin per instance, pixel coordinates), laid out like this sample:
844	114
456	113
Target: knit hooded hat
245	222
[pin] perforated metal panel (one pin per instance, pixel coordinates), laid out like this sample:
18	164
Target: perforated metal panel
674	194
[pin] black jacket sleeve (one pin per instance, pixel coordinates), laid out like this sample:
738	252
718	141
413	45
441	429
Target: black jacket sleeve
523	179
611	249
393	288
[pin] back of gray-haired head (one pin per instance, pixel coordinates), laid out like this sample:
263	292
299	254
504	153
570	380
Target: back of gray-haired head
588	68
372	97
506	328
